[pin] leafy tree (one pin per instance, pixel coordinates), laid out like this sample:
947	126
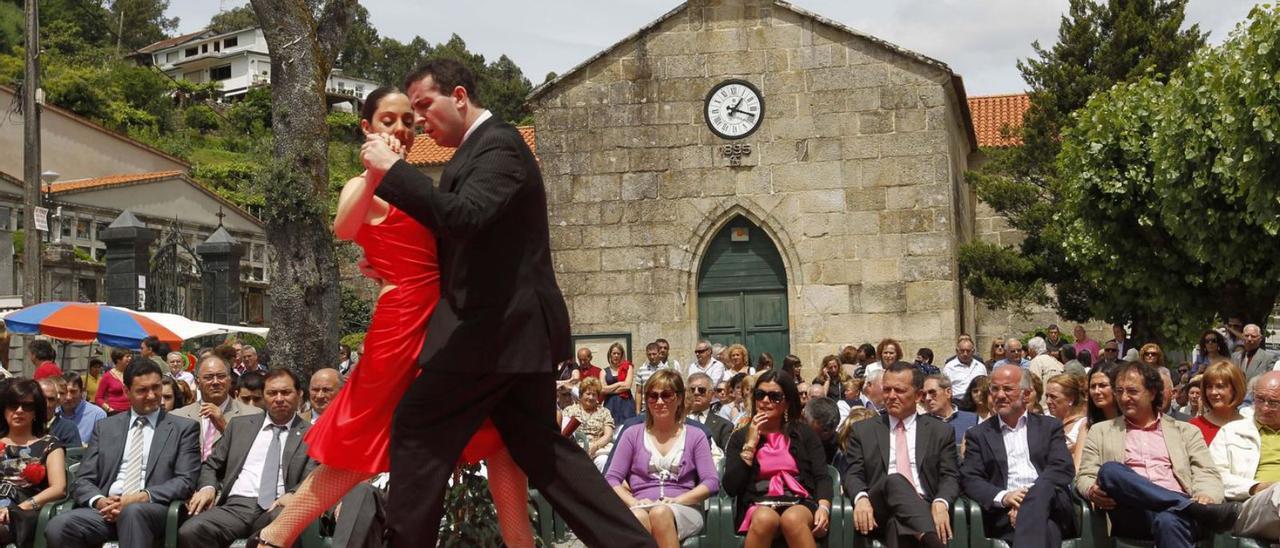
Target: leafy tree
11	24
356	312
137	23
504	90
1099	44
252	114
237	18
1170	189
359	54
395	59
201	118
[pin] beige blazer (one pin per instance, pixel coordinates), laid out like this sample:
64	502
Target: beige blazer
234	409
1193	467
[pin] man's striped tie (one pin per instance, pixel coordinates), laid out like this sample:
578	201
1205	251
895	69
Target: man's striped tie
133	471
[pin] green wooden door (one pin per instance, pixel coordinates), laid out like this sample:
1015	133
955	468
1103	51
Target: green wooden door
742	292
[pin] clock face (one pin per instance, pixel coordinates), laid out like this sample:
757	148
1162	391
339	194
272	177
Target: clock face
734	109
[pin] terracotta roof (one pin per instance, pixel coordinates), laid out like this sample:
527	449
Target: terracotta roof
426	152
170	42
992	114
113	180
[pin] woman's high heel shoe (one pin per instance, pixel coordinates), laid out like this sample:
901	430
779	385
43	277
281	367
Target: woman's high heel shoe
256	542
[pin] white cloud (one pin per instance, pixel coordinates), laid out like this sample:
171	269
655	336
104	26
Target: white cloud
980	39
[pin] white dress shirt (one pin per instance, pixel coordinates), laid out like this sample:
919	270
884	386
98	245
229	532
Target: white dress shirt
1018	454
479	120
148	433
714	369
251	474
892	466
961	375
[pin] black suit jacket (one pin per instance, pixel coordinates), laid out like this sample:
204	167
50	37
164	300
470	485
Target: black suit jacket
867	458
720	429
173	462
806	449
985	470
500	308
225	462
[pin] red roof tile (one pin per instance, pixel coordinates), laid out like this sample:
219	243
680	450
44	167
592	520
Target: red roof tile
426	152
113	180
992	114
170	42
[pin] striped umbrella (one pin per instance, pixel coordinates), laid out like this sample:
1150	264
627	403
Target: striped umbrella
85	322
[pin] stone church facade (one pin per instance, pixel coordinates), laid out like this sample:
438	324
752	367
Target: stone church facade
837	221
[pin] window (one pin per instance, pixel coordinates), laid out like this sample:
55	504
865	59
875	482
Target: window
82	228
204	48
217	74
170	57
217	46
230	42
89	290
190	52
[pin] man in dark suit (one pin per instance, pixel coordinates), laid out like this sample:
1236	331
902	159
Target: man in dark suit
1123	341
501	321
1017	467
136	464
253	470
892	484
65	431
699	399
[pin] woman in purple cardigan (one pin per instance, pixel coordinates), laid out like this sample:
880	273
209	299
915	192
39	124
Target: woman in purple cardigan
664	471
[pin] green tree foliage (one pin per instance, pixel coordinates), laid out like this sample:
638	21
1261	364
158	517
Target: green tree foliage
201	118
1170	189
1099	44
11	24
139	22
238	18
356	312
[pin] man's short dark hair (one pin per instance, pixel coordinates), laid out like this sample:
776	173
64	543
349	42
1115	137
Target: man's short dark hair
251	380
74	379
926	353
917	376
823	411
1068	352
150	341
284	372
651	346
1151	381
447	75
42	350
661	340
138	368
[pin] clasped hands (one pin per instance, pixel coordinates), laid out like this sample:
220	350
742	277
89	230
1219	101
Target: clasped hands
110	507
379	152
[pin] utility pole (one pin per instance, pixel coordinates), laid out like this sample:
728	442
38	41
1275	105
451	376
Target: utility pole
31	159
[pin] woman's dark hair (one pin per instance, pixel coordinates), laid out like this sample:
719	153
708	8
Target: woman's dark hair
1222	343
179	397
118	354
1096	414
95	361
927	354
447	74
1085	358
735	382
966	402
795	411
790	363
284	372
764	362
1068	352
42	350
26	389
867	350
371	102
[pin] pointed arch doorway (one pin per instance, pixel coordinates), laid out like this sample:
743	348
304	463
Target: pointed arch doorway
742	291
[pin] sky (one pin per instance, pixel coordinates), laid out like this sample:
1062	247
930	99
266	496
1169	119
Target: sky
981	40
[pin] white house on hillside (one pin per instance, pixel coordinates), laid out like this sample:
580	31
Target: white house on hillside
238	59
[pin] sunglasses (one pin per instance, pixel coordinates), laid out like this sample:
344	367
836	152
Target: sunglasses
774	396
665	395
704	350
1209	341
699	390
1153	354
28	405
1111	350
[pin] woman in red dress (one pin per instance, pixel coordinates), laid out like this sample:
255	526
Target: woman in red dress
352	437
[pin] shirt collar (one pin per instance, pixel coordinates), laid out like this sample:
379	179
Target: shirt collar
907	422
479	120
152	417
1155	425
1022	421
268	422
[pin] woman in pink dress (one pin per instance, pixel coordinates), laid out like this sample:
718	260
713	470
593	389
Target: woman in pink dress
352	437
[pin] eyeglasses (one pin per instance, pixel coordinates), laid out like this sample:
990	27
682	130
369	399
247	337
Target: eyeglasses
701	350
28	405
665	395
211	378
698	390
1266	403
774	396
1110	349
1154	354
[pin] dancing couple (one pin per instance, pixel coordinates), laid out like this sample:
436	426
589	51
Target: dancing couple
467	288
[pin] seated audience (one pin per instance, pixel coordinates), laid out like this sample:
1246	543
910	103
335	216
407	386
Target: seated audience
1195	397
890	352
1253	358
1013	354
178	369
1169	409
111	394
924	361
115	500
700	409
872	396
963	368
172	396
1102	399
324	386
832	378
54	389
77	410
1070	364
1222	389
734	405
1250	469
1037	394
775	469
823	416
977	400
33	468
803	389
1065	395
664	471
937	400
594	420
1152	475
1016	467
249	388
792	365
91	378
906	498
253	470
40	353
216	406
1043	364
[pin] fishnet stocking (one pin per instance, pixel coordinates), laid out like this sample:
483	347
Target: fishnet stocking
510	490
319	492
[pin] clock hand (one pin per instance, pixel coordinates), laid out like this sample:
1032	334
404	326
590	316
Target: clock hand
734	109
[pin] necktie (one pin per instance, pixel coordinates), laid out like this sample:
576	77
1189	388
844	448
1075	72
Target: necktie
270	471
902	456
206	445
133	471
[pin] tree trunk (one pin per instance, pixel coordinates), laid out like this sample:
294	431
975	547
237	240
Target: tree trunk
304	292
1252	305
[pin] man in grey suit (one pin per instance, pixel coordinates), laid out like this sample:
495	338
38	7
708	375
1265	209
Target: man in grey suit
1253	359
213	377
137	463
253	471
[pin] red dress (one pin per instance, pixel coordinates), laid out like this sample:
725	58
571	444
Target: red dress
354	433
